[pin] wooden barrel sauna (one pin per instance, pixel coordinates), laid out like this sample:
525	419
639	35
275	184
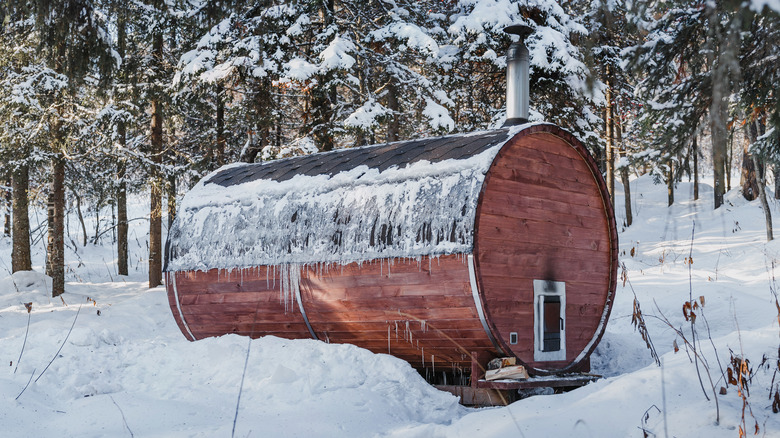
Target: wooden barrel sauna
497	242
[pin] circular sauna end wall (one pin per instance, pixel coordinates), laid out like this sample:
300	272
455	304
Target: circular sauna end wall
546	250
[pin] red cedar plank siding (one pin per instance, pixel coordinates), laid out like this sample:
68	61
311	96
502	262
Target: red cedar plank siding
543	215
370	305
245	302
422	312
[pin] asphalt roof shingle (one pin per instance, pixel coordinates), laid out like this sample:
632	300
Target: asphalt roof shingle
379	157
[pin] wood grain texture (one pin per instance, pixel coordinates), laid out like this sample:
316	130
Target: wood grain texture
421	311
373	307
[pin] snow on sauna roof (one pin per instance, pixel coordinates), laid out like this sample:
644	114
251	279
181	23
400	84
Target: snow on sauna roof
404	199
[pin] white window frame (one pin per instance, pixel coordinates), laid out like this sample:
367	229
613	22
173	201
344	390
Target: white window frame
544	288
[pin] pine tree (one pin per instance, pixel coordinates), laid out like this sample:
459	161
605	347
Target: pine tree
688	65
559	91
760	73
22	80
610	33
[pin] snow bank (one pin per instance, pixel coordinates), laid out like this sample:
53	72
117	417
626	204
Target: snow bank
132	354
25	287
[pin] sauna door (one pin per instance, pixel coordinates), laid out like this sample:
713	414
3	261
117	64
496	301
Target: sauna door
549	320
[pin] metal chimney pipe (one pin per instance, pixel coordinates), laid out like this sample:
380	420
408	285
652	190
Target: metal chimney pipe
517	82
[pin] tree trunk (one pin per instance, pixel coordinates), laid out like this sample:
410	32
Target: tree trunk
695	152
121	164
718	104
155	214
393	126
57	233
729	159
20	252
219	151
121	210
324	94
609	150
748	175
777	180
626	195
670	184
618	127
49	269
81	218
717	126
719	145
8	204
751	134
762	196
253	147
171	199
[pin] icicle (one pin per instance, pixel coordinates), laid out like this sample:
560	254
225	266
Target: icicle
388	339
290	283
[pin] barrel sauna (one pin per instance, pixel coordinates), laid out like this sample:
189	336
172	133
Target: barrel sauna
501	243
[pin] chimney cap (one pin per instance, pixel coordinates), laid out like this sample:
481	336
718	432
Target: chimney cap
520	30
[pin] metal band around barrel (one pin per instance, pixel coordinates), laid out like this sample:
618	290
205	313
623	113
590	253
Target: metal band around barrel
303	311
478	304
172	277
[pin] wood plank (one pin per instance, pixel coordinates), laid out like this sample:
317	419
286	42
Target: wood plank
539	233
453	313
247	298
532	172
407	304
535	257
256	328
523	202
593	200
194	319
552	145
410	279
334	291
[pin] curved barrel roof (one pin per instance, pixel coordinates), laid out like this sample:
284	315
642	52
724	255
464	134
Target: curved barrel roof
404	199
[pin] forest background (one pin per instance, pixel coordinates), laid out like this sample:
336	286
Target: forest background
101	98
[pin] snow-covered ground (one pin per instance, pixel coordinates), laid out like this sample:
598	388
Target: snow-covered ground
126	370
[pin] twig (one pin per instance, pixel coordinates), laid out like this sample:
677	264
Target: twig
709	336
25	339
25	386
114	226
637	317
63	344
109	271
243	374
693	318
124	420
645	417
696	354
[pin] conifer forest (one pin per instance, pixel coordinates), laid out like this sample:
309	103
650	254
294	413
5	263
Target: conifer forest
105	99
